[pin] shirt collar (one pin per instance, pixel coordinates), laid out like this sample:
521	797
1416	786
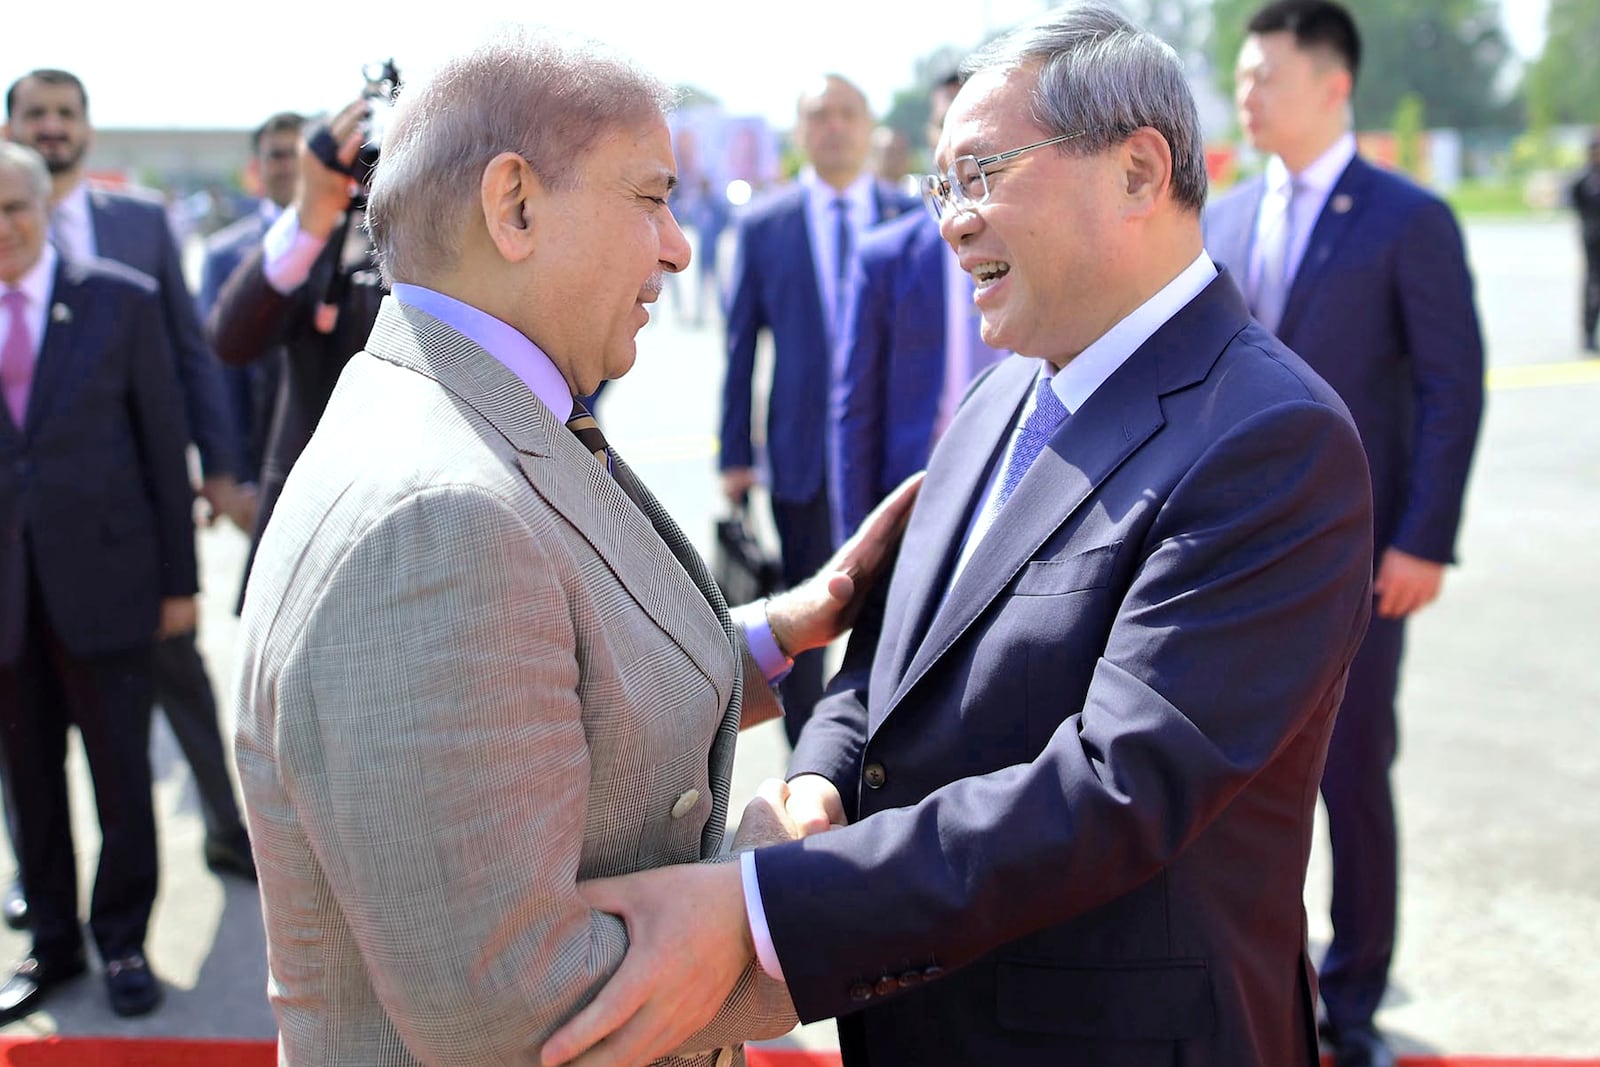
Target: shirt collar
858	192
39	280
1075	382
1321	174
74	207
502	341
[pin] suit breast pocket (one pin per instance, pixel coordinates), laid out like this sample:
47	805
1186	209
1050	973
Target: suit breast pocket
1053	577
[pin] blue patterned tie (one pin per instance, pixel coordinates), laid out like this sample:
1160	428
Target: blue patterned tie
1035	430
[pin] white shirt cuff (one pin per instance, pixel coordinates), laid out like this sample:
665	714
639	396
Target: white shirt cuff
752	619
288	253
766	954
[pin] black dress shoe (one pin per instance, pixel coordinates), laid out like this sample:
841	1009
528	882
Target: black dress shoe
132	988
231	856
35	976
14	907
1356	1045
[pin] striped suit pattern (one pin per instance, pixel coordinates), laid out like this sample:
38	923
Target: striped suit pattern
474	672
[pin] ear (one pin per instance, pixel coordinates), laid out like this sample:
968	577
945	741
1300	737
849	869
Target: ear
1341	86
512	199
1146	170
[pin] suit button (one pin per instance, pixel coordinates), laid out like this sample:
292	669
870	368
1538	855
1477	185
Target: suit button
685	804
885	986
860	992
931	972
910	979
873	774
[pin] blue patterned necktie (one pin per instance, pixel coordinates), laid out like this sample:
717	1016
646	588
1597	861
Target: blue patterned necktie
1035	431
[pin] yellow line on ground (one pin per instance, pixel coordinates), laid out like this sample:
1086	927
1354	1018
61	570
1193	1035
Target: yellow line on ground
1540	375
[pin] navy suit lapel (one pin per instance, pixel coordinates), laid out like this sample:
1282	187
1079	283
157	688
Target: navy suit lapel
1115	422
1344	205
957	473
110	240
64	321
796	234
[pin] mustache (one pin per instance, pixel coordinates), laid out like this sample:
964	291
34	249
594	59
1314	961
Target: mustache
655	283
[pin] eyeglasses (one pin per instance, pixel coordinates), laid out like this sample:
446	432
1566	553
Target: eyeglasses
966	184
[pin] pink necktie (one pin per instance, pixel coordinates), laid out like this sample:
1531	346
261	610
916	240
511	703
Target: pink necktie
16	356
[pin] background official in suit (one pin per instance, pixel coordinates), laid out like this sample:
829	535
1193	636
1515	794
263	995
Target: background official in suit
1584	196
790	279
1365	277
96	561
479	661
909	350
48	110
1077	750
272	307
253	391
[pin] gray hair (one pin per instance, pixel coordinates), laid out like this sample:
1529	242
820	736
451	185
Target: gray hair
1100	73
545	95
15	156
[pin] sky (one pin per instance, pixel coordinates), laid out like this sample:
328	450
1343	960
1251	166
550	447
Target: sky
220	63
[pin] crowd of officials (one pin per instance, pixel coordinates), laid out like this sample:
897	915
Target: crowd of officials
892	320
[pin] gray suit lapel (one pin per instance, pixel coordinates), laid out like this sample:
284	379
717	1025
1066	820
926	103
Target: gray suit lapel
567	477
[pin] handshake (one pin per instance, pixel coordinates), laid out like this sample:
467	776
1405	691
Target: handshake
690	948
787	811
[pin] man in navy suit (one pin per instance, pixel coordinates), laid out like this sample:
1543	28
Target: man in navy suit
48	110
1364	276
1072	759
253	390
791	280
910	350
96	562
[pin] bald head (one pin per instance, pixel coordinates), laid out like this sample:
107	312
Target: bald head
834	129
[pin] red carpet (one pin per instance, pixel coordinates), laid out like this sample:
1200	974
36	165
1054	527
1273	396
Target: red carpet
128	1052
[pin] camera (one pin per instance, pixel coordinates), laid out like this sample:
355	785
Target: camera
382	88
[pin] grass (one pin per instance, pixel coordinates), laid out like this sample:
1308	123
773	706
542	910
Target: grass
1478	198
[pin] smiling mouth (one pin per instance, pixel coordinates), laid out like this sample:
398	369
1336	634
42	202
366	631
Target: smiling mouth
986	274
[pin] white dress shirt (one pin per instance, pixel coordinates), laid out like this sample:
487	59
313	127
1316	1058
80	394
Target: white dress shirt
1316	185
72	226
1073	385
37	287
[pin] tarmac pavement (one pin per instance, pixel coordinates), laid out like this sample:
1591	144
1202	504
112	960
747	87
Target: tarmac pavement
1498	773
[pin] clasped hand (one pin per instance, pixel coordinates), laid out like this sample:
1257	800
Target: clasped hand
688	937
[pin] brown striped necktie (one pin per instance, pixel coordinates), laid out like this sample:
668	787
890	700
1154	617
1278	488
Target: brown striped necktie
587	431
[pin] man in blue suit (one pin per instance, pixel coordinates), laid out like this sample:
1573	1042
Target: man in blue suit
48	110
1071	761
97	562
1365	277
910	350
791	280
253	390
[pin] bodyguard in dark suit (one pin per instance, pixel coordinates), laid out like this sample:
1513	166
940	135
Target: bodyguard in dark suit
253	391
909	351
1363	274
1072	759
96	560
49	111
790	280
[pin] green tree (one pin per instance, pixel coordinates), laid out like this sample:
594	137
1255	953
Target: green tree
1563	85
1451	53
1409	117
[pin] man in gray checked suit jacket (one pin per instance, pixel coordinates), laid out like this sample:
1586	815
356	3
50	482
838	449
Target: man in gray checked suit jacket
480	662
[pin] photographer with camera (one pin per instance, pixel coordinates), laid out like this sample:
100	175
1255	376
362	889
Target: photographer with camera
311	287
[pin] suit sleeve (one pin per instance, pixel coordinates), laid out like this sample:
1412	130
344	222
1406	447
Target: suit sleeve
1244	608
203	396
249	317
746	319
1447	369
156	404
856	407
